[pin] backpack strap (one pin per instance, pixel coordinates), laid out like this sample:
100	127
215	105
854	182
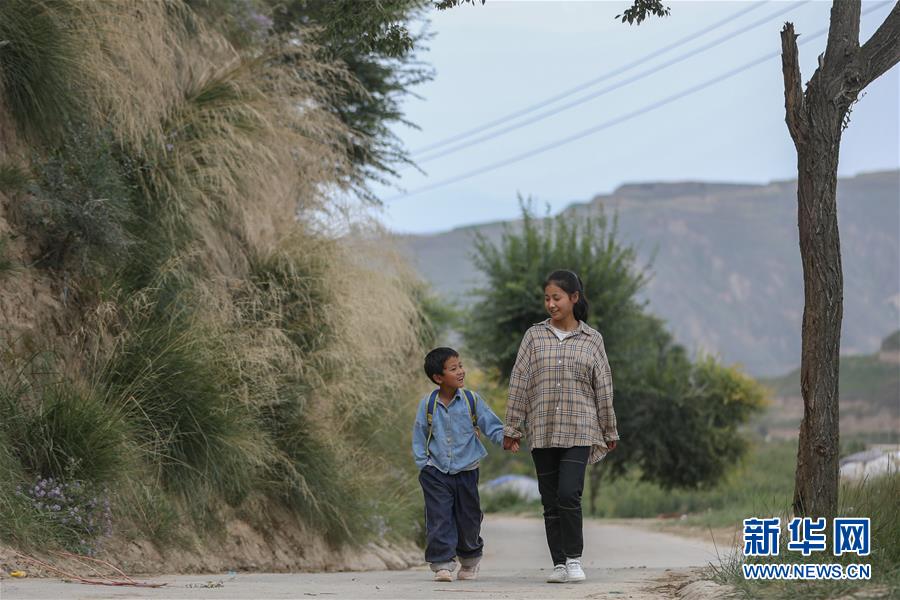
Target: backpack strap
470	401
430	417
470	397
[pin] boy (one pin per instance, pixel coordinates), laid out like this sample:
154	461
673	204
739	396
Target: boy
447	450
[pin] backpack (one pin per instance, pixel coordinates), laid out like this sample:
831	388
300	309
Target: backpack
470	400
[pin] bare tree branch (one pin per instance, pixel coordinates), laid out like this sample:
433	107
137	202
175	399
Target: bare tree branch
843	34
795	111
882	51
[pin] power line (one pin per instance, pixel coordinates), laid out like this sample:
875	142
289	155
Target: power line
616	86
620	119
587	84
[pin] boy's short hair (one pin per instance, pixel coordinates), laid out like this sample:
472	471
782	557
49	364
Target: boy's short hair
434	361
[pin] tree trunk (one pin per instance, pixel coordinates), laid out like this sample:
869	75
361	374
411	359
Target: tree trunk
816	120
815	490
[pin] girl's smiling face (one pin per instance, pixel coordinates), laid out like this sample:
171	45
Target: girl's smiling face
559	303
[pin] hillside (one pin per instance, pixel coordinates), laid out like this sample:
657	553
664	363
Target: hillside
869	393
176	325
726	274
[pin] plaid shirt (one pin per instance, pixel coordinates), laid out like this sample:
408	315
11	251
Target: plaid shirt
561	392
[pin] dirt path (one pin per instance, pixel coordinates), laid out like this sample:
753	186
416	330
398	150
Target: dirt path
621	561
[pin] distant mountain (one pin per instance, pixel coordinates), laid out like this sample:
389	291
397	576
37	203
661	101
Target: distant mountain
727	275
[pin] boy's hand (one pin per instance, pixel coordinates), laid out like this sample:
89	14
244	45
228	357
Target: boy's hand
611	444
511	444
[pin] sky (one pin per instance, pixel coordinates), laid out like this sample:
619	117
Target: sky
494	59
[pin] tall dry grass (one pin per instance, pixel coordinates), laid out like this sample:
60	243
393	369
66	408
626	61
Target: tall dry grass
212	125
37	57
249	146
106	64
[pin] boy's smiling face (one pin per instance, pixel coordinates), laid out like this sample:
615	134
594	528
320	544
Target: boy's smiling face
454	374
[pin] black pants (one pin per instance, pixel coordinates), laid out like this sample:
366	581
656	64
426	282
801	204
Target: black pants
452	517
560	473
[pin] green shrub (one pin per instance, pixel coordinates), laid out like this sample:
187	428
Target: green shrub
177	396
82	205
73	434
56	427
56	440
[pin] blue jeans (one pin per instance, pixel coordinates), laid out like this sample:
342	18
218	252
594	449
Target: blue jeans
452	518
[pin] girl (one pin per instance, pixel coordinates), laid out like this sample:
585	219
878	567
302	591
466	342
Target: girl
560	393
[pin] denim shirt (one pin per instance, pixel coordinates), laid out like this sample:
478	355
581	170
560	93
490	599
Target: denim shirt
454	446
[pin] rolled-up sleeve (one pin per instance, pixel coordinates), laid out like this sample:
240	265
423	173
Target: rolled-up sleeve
517	404
603	394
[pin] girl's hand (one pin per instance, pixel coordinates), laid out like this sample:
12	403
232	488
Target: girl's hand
511	444
611	444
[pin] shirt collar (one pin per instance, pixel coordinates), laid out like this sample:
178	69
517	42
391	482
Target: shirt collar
582	327
457	395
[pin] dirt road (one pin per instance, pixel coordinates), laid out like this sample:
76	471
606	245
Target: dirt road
621	561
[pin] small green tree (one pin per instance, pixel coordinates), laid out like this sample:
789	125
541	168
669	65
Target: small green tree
678	420
511	302
436	317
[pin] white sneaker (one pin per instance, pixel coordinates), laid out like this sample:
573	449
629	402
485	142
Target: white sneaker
559	575
574	570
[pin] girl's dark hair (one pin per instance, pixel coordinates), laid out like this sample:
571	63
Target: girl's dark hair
570	283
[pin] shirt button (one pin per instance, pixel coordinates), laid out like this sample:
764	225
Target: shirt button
558	385
560	362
